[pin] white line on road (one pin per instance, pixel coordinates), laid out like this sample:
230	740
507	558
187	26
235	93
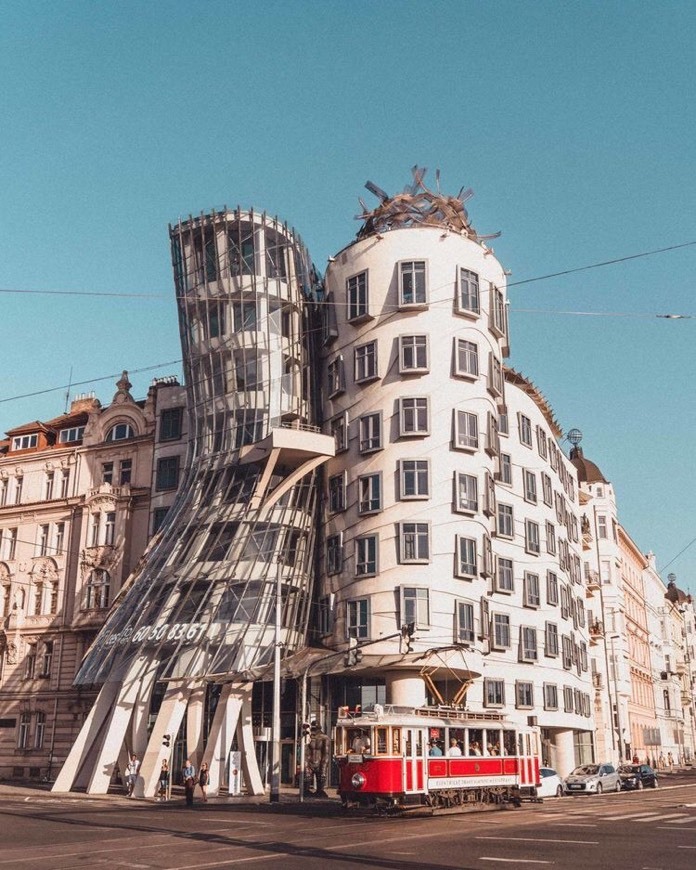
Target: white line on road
624	817
686	847
542	840
572	825
684	821
515	860
658	817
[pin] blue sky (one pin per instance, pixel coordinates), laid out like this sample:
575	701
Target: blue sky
573	122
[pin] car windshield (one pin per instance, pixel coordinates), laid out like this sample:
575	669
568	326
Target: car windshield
585	770
629	768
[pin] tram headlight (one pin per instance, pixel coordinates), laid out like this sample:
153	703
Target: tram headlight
358	780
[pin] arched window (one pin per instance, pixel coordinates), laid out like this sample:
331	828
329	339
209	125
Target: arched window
120	432
97	590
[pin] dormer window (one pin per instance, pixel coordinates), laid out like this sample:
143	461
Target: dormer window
67	436
25	442
120	432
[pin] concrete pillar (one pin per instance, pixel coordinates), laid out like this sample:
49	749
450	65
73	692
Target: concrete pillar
563	751
168	720
405	690
220	737
141	713
195	713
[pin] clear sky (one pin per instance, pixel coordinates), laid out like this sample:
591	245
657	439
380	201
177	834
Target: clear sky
574	123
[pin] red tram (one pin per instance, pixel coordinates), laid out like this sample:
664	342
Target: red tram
398	758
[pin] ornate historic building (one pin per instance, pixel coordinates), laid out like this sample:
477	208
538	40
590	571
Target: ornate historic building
74	520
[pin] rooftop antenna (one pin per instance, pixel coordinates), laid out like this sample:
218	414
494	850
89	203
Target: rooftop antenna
67	392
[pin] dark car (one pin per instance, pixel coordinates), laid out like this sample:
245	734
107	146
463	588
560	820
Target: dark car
636	776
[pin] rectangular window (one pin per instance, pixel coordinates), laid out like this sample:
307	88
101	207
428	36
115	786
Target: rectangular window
413	354
464	630
167	473
96	523
504	575
501	631
337	493
334	554
567	646
489	499
125	471
69	436
498	312
492	447
531	537
336	382
19	484
10	544
158	516
412	283
370	493
524	695
550	696
171	424
525	426
59	541
370	432
506	469
413	416
466	435
506	526
40	731
467	497
357	621
503	424
530	487
25	442
528	644
601	526
551	588
42	547
245	316
325	615
107	472
415	606
366	362
339	429
495	376
568	699
366	555
466	557
48	485
493	693
414	542
110	528
47	658
546	489
551	639
23	733
30	662
65	483
466	359
542	445
532	593
468	299
3	492
414	478
356	294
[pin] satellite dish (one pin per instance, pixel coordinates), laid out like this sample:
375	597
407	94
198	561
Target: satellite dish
574	436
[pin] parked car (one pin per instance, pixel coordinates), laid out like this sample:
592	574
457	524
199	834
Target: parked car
551	783
593	779
637	776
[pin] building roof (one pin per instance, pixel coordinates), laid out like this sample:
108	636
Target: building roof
588	472
675	594
540	400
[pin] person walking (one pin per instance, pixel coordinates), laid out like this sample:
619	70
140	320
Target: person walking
189	773
203	780
132	769
163	784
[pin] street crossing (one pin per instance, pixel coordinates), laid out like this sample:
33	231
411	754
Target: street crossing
664	809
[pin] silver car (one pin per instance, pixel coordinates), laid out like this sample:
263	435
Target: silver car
593	779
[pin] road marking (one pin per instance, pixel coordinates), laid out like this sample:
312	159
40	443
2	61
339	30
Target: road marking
515	860
686	847
683	821
572	825
658	817
542	840
627	816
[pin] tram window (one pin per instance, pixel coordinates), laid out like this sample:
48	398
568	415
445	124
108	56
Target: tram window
492	741
520	744
396	741
475	741
359	740
419	741
455	741
382	740
529	744
509	742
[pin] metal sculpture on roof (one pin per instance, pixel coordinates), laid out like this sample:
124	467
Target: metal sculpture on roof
418	206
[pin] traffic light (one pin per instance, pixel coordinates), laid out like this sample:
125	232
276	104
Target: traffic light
166	740
305	730
353	656
407	632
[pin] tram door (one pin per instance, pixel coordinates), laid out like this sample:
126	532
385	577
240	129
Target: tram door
413	760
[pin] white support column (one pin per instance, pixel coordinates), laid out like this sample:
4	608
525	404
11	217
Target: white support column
139	729
90	733
245	739
405	689
220	737
168	720
195	713
563	758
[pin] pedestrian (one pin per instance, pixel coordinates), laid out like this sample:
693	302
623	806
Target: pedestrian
132	769
661	761
670	762
635	759
203	780
189	773
163	785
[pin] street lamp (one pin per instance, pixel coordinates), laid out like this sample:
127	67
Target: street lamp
612	638
275	731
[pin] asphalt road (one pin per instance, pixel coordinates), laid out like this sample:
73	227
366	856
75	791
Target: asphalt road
649	830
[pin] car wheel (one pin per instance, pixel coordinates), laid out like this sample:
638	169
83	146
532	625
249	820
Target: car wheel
559	790
599	788
655	783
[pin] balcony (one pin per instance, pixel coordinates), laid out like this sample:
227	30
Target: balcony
591	583
597	680
596	630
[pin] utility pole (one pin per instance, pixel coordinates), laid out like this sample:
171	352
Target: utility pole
275	733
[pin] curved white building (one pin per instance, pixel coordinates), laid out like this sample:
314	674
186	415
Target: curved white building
448	505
